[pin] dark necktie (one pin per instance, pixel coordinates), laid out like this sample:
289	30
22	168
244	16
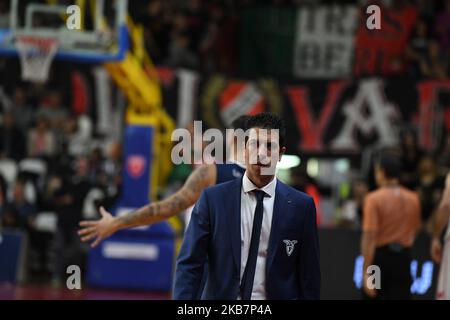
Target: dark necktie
249	272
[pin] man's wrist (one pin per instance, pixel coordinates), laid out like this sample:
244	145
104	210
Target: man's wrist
117	224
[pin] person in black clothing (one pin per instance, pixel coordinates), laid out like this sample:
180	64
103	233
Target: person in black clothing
3	200
11	139
410	156
68	199
19	204
430	186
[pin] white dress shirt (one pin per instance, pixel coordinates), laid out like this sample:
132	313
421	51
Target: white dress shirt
248	206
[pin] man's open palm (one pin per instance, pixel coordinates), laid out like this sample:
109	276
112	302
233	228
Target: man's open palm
97	230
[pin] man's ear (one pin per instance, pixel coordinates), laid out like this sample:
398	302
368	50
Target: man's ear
282	151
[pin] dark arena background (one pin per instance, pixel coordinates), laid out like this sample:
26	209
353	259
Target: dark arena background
95	128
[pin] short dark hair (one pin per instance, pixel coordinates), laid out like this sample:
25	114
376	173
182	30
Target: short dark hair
391	164
240	122
267	120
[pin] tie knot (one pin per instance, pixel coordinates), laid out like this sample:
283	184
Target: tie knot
259	194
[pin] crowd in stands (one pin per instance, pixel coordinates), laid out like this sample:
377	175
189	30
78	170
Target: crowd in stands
51	161
204	35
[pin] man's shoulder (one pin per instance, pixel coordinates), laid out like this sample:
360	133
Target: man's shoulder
410	193
294	193
377	194
374	194
223	187
380	194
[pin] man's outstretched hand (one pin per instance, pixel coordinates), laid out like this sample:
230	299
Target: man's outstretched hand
98	230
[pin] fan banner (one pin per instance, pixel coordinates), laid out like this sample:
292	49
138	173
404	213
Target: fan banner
339	117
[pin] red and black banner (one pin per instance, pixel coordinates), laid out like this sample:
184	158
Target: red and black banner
381	52
323	117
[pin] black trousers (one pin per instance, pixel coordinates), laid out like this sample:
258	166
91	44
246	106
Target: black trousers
394	262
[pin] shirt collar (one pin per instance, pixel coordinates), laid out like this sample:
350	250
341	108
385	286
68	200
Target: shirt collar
269	188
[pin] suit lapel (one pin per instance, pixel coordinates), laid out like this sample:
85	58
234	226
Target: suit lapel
279	212
235	224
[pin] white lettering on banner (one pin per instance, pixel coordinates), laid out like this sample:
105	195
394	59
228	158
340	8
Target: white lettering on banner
135	251
188	81
324	41
105	113
369	113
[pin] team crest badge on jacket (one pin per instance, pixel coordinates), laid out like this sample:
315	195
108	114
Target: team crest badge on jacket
290	244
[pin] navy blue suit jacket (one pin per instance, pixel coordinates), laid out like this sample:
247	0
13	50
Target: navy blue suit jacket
214	235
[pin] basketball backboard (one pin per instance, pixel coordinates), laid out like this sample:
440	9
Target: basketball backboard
86	30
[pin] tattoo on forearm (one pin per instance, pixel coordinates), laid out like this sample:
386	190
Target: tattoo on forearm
159	211
178	203
197	181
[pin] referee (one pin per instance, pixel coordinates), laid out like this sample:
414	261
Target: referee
391	220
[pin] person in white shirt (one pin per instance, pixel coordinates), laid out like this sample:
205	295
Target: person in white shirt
257	235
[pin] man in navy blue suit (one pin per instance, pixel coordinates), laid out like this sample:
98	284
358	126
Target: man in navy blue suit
258	235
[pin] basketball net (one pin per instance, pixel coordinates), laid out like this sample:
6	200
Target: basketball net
36	56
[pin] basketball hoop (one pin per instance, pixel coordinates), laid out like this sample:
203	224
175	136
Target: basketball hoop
36	56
